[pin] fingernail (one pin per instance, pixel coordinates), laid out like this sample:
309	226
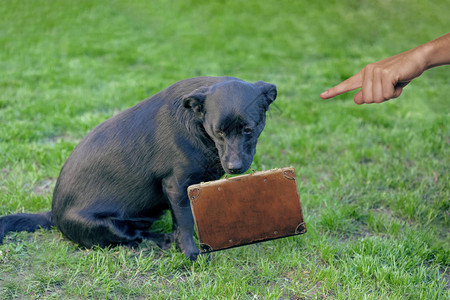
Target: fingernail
324	93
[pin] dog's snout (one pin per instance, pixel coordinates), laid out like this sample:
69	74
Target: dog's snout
234	167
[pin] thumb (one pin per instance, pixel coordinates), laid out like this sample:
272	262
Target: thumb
397	91
358	98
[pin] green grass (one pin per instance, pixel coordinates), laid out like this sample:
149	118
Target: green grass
374	179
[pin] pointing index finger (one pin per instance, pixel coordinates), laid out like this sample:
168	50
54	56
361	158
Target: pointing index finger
347	85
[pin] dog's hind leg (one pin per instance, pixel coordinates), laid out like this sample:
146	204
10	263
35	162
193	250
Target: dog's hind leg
107	228
138	230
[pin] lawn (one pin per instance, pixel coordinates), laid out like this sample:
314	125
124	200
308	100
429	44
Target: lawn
373	179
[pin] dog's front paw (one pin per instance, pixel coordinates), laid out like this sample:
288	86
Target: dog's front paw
193	255
185	242
190	250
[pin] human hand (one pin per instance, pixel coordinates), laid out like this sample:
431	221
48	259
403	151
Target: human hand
385	79
382	80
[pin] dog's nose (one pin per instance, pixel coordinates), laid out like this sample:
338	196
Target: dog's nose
234	167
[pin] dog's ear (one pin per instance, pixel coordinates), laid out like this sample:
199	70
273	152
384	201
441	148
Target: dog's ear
195	100
269	91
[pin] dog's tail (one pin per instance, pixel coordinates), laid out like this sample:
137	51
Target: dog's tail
25	222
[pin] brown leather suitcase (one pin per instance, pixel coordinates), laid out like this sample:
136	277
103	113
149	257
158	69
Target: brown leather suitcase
246	209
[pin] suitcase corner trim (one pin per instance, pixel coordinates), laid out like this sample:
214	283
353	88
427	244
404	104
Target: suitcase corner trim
205	248
301	228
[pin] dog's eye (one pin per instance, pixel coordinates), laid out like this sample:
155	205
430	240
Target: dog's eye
248	130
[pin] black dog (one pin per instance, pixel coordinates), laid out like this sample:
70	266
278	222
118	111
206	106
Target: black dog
129	169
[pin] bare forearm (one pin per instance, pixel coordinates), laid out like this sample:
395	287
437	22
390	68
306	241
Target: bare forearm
436	52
